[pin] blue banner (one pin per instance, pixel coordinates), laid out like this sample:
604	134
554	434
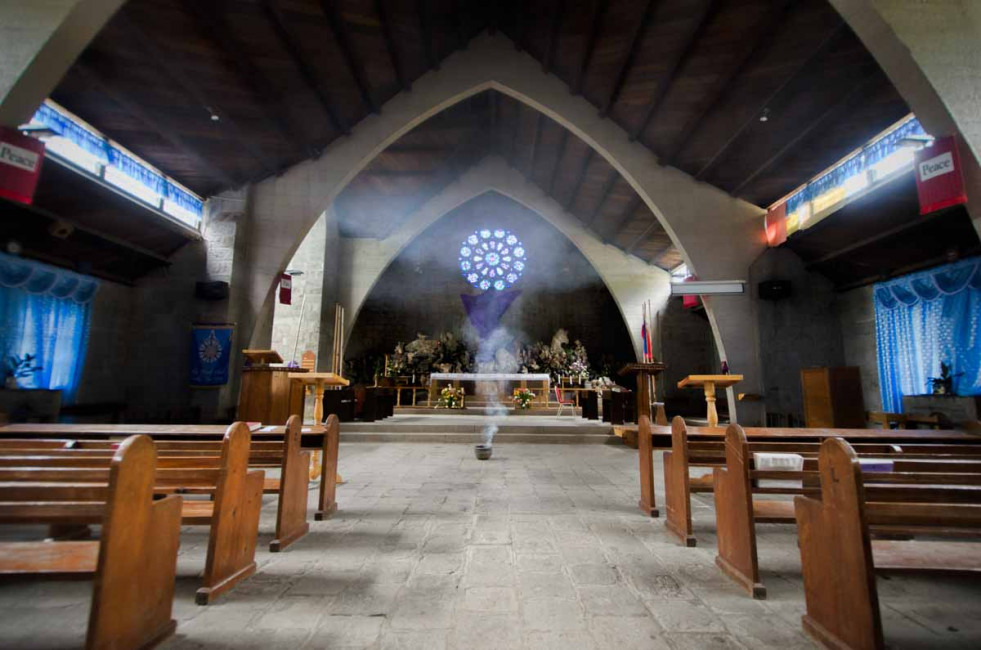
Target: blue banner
211	351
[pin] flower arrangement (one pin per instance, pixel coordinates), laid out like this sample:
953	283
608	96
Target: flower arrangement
523	398
450	398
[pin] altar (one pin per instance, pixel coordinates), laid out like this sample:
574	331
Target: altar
496	381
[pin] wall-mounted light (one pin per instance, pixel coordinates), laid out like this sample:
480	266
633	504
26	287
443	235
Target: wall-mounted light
765	115
708	288
916	141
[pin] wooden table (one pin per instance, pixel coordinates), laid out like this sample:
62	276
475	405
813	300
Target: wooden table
498	378
318	380
708	384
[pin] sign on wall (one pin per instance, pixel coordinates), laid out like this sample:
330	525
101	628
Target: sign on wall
20	165
939	180
285	289
211	352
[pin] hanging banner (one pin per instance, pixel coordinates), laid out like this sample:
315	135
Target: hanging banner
939	180
286	289
776	225
20	165
211	352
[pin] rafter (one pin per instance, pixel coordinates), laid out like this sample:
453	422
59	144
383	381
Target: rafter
514	134
588	158
520	25
558	10
613	230
461	35
829	115
628	61
422	10
610	182
104	87
393	57
862	243
534	144
642	237
215	25
558	160
495	119
275	18
173	71
764	42
808	61
599	10
677	65
351	60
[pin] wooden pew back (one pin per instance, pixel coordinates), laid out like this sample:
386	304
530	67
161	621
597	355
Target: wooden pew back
136	559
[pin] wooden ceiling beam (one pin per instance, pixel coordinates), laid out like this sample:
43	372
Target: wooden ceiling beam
643	236
215	25
422	10
830	114
520	26
655	259
599	10
336	23
610	182
614	229
628	61
105	87
174	72
588	158
461	35
677	65
764	41
385	22
535	144
807	62
558	160
515	132
558	11
275	18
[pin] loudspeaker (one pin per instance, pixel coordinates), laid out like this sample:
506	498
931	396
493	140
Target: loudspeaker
217	290
775	289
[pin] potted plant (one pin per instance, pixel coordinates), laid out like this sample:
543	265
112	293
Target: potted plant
944	384
523	398
18	368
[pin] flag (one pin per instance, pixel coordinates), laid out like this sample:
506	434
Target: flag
643	335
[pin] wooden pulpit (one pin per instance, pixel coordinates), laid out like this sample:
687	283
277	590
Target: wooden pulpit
264	395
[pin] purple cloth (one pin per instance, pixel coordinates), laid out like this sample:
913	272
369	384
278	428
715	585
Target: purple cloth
486	309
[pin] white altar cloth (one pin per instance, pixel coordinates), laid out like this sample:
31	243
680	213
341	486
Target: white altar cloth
489	376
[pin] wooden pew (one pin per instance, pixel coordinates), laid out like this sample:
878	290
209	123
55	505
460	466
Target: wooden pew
133	564
737	512
685	454
291	487
232	514
839	557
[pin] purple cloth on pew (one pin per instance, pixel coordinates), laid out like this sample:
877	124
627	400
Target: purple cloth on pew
875	464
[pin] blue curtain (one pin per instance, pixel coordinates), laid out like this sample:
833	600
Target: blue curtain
924	319
45	312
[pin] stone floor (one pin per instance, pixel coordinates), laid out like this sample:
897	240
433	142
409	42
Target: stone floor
541	547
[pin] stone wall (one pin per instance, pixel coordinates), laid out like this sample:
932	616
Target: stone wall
688	349
309	258
798	332
856	315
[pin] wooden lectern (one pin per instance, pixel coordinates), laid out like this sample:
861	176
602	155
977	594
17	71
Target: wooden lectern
645	391
265	392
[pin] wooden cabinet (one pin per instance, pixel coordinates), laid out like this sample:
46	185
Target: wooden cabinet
833	397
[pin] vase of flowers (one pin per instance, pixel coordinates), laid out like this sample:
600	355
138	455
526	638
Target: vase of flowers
523	398
450	398
17	368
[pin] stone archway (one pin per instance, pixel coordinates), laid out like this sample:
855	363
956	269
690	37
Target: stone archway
630	280
719	236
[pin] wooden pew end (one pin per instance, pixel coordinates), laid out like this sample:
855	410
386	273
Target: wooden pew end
324	515
755	589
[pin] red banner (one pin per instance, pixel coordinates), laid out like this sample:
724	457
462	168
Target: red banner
939	180
286	289
690	302
776	225
20	165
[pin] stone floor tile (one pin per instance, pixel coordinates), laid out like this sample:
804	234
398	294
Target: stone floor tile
553	615
685	616
615	600
485	632
593	574
626	633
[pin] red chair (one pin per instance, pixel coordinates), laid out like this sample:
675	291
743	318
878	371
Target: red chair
563	402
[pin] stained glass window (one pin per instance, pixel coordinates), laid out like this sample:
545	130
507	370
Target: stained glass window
492	259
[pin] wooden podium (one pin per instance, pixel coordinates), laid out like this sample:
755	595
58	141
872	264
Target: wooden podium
645	385
708	384
265	395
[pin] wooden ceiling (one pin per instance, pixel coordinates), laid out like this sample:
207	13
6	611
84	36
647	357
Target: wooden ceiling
882	235
689	79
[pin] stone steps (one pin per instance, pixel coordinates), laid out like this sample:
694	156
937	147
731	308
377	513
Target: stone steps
549	437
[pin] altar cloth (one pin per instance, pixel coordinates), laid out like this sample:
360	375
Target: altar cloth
488	376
